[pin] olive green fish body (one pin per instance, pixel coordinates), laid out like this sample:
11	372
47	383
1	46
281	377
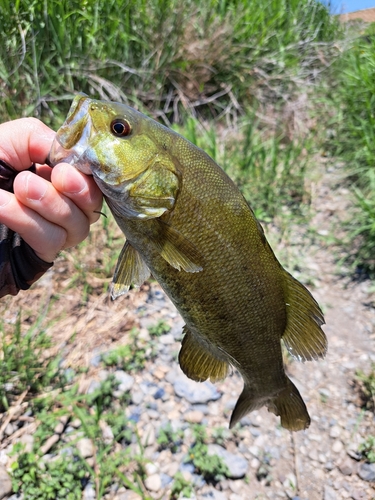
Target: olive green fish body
186	222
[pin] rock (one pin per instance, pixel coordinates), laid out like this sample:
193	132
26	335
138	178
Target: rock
367	472
165	479
89	492
137	397
85	447
214	494
107	432
194	416
346	467
329	493
159	393
237	465
335	431
195	392
3	457
167	339
127	495
126	382
148	435
337	446
5	483
94	385
9	429
358	495
28	441
153	482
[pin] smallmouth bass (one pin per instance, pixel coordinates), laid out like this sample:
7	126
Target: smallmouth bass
187	223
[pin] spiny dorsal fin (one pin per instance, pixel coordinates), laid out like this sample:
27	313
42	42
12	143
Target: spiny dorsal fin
177	250
130	270
303	337
199	364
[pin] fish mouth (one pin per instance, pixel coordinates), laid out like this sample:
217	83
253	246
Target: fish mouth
72	138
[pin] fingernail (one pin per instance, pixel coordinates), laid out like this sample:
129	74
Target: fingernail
73	179
36	187
5	198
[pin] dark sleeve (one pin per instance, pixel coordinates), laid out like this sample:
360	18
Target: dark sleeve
20	267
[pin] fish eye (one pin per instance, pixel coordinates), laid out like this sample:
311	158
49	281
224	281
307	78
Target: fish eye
120	127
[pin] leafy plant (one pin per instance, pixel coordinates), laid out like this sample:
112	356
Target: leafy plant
366	384
159	329
169	438
67	473
181	487
23	363
129	357
367	449
211	467
48	479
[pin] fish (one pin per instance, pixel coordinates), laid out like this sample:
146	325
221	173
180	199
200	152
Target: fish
186	223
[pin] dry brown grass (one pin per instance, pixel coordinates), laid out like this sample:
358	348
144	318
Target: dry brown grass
72	303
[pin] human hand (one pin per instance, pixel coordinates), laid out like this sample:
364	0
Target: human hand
52	209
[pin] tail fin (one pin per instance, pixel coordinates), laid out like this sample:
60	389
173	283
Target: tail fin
245	404
288	404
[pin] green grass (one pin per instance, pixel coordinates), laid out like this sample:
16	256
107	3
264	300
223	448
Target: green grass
66	474
24	366
171	56
352	93
366	385
367	449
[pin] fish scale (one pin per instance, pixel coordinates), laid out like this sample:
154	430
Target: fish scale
187	223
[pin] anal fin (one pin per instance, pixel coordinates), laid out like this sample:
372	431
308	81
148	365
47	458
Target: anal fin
303	337
130	270
198	363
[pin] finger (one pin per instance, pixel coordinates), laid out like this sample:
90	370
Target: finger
25	141
42	197
46	238
78	187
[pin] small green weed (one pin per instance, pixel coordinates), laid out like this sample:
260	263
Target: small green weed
65	474
220	435
23	364
159	329
366	385
50	479
129	357
181	487
367	449
211	467
170	439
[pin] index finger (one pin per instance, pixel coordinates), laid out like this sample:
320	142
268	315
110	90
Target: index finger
25	141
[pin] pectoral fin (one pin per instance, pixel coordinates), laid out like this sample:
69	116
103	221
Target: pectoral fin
130	270
303	337
177	250
199	364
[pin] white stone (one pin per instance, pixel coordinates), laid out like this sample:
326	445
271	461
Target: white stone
153	482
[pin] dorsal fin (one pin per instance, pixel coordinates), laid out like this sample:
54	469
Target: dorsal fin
130	270
198	363
303	337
